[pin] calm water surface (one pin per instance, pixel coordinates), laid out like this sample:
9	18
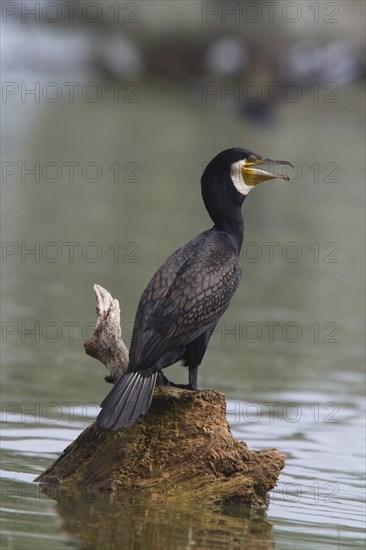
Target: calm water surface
287	354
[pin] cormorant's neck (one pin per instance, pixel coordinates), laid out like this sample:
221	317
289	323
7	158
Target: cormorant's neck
224	205
234	227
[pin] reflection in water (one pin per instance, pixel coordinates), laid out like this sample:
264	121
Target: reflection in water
157	214
132	523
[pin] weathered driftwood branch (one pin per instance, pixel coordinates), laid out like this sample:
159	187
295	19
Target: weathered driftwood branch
106	344
182	449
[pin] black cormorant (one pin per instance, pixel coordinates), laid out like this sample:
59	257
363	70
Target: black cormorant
186	297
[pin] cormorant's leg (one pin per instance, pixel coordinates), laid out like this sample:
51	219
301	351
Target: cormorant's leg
193	374
162	380
193	356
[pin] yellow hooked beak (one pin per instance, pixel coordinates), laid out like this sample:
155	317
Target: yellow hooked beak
253	175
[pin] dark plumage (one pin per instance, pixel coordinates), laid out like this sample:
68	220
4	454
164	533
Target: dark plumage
186	297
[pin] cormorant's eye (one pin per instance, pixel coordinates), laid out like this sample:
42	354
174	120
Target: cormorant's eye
250	159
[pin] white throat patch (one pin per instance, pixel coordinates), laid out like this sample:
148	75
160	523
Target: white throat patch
237	177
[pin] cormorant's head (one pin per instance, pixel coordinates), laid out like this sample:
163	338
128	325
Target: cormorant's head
243	169
228	179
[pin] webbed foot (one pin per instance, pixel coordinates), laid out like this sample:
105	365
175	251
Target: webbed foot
162	380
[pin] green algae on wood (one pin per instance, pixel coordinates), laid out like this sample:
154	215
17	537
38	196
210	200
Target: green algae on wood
183	449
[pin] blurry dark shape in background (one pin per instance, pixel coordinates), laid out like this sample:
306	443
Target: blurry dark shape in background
228	64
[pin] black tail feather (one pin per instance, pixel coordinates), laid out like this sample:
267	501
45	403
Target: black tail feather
128	401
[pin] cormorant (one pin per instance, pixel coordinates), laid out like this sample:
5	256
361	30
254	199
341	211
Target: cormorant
186	297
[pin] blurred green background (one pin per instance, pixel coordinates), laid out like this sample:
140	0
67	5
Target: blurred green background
110	111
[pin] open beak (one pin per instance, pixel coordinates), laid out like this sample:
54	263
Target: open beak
253	175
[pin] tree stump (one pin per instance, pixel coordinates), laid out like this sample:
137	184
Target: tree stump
182	449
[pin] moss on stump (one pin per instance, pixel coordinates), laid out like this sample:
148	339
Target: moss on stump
182	450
